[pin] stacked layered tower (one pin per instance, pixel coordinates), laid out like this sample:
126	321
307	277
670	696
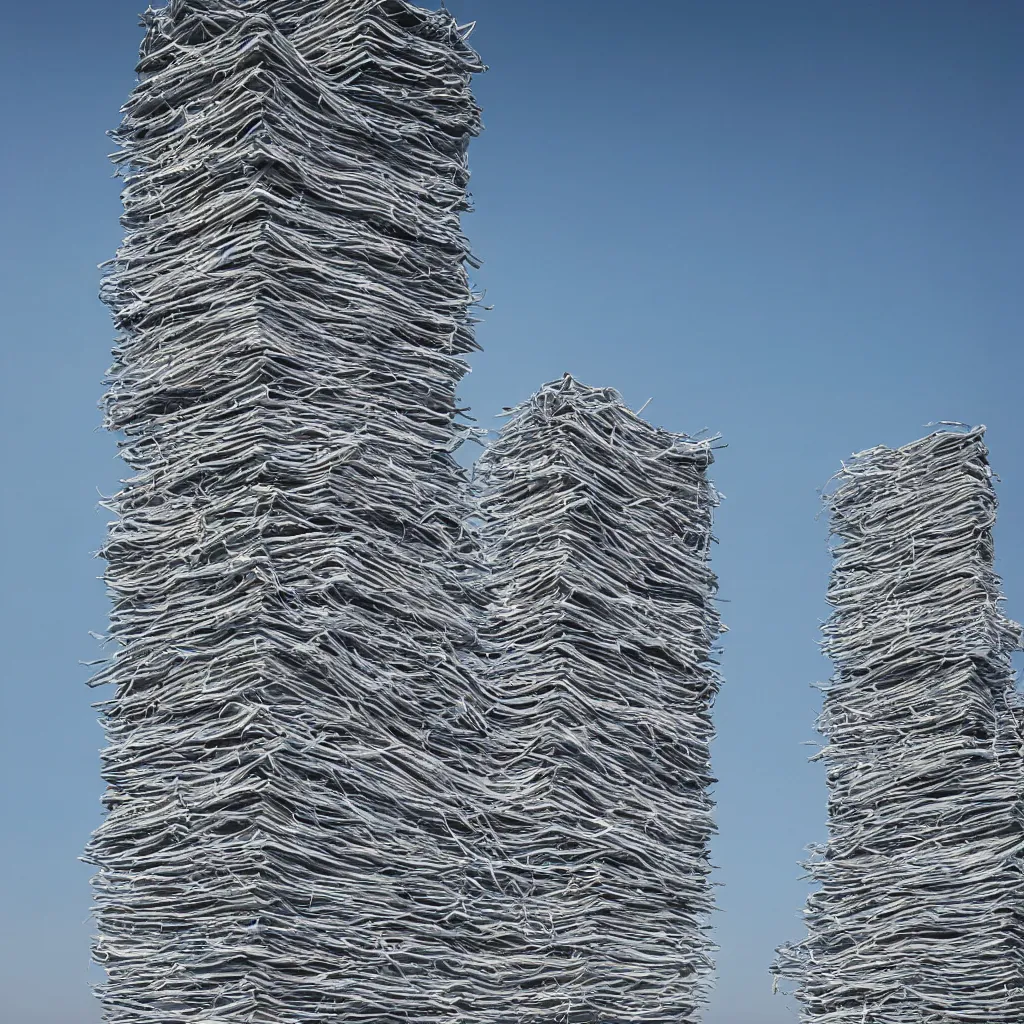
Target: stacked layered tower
917	916
600	632
294	734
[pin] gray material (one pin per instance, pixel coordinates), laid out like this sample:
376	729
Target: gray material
294	740
917	914
601	625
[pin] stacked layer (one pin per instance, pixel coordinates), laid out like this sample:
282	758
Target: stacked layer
918	912
294	735
600	630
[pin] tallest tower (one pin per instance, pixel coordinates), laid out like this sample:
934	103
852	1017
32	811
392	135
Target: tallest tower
292	726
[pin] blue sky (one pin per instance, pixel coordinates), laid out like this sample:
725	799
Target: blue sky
797	224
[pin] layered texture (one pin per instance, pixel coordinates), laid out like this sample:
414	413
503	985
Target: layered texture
599	639
294	732
917	914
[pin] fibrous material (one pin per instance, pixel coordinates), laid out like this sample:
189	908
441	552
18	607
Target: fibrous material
599	644
294	731
916	918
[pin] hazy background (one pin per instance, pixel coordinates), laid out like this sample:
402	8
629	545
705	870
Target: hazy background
794	223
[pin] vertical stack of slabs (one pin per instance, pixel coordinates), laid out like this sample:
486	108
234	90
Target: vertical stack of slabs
600	633
294	734
917	915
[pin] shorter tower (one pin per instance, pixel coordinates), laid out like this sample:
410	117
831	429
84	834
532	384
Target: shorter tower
916	915
601	625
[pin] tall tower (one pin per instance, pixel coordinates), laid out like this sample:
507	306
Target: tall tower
293	729
917	912
600	631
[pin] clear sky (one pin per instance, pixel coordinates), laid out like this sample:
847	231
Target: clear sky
792	222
